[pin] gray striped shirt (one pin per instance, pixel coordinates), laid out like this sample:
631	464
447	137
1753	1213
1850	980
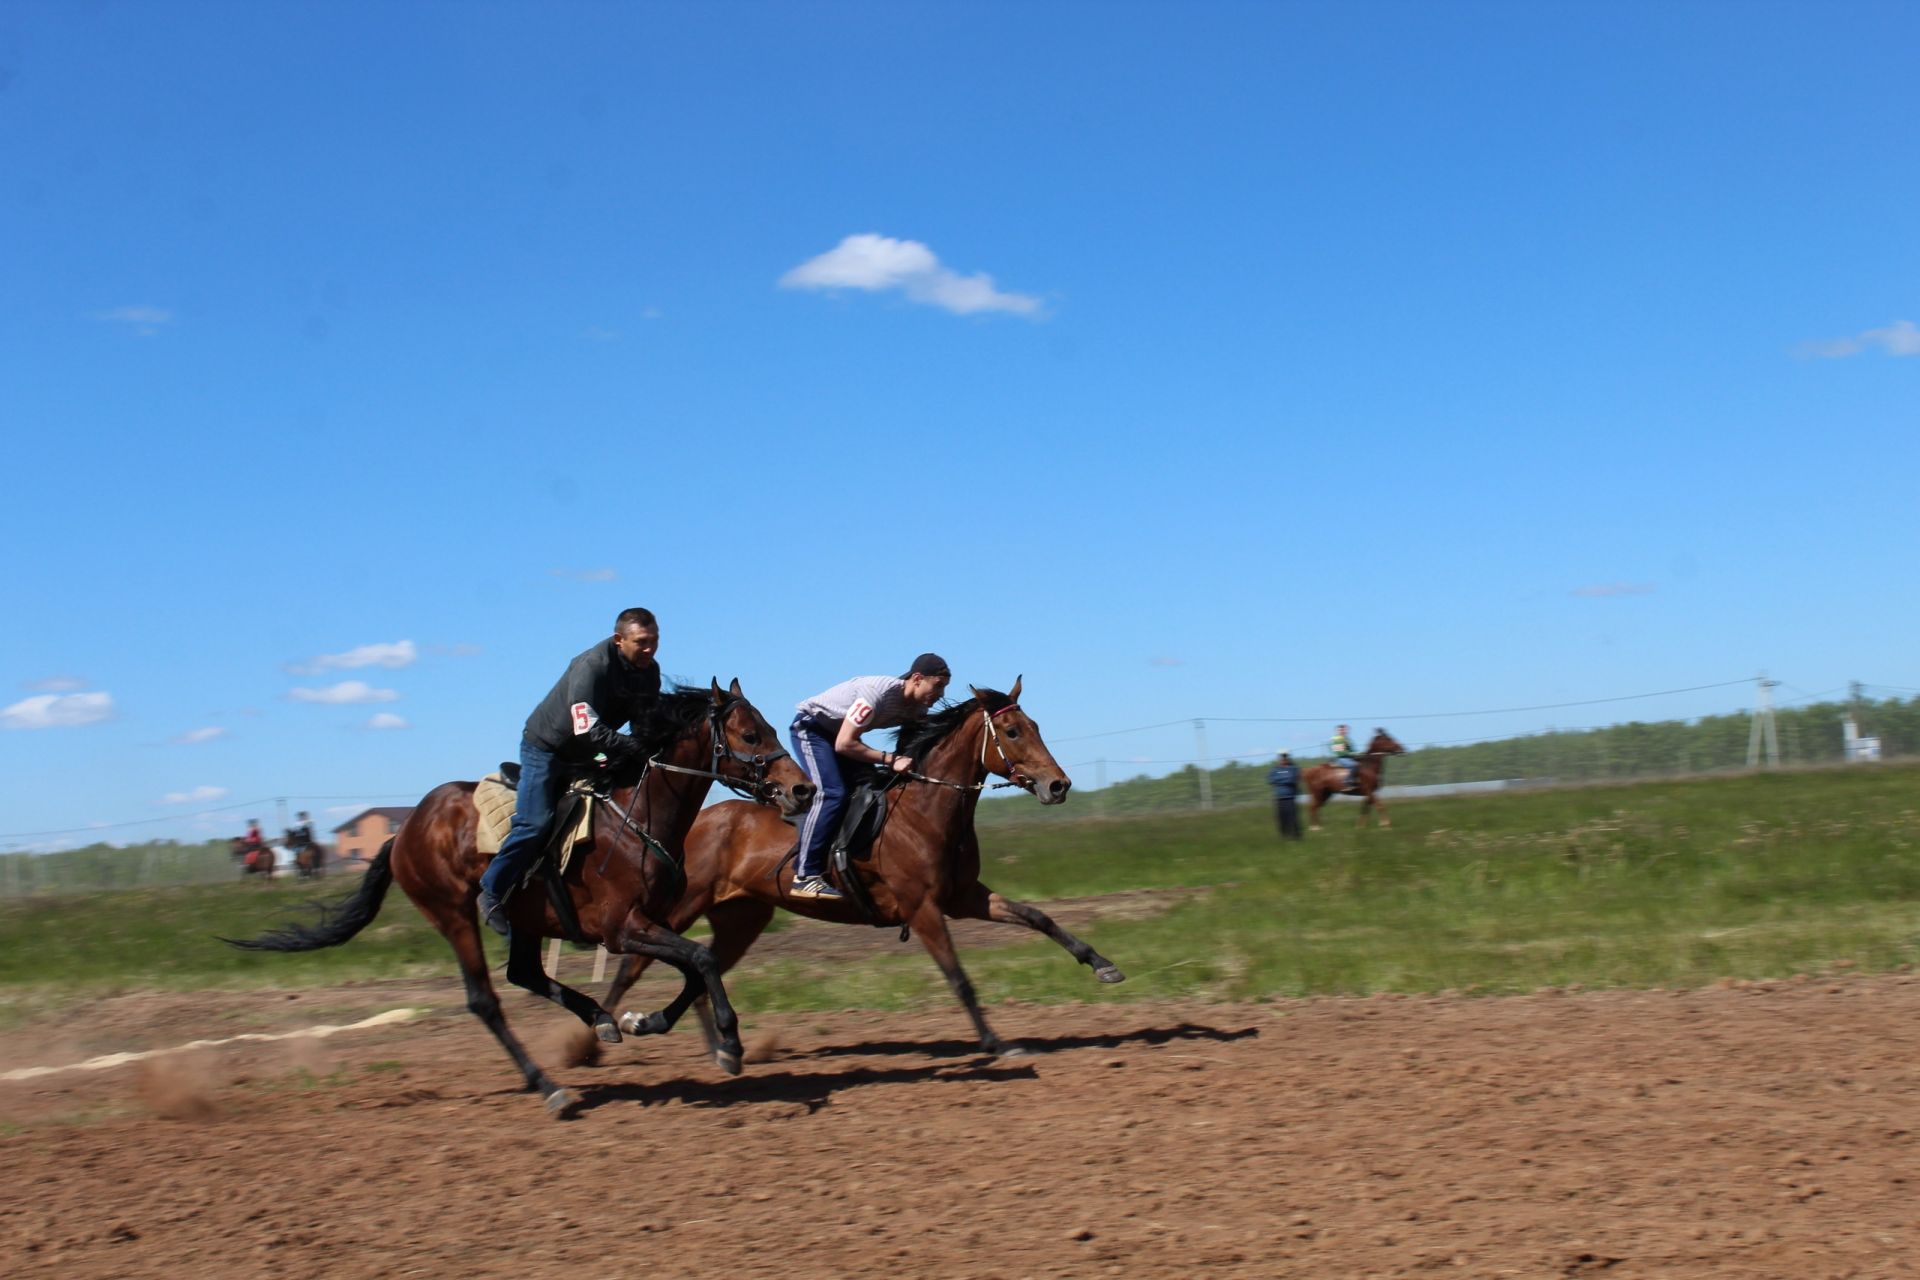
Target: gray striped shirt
871	702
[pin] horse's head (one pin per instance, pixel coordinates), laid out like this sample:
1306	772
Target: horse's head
1384	744
748	756
1014	749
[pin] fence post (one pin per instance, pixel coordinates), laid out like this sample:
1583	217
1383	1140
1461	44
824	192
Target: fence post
553	958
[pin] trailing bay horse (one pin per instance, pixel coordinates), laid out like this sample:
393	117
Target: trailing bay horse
621	884
1325	781
924	866
253	859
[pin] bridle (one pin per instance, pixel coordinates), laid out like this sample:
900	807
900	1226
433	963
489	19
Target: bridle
756	789
1016	777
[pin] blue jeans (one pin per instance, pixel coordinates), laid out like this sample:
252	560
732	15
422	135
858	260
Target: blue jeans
814	754
539	789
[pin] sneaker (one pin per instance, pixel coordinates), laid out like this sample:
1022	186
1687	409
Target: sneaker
817	888
493	914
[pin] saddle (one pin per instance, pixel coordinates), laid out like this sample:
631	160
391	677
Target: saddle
861	821
496	799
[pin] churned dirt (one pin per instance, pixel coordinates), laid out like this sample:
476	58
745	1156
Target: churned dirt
1746	1130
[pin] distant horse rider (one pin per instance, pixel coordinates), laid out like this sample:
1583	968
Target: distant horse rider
826	732
300	835
1344	755
614	683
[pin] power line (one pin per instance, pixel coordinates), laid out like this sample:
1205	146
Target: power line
184	817
1424	715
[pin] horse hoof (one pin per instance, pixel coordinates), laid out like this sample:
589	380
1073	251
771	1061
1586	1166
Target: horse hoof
728	1060
651	1024
1110	973
605	1032
561	1104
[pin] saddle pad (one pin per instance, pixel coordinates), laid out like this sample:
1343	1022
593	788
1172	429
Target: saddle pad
572	823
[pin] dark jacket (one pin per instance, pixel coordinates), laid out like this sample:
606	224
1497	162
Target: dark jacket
1285	781
600	692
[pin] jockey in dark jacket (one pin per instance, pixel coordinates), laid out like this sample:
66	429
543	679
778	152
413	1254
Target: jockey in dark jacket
612	684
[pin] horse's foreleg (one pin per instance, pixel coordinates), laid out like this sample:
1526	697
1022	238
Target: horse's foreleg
1313	811
463	934
524	970
639	936
984	904
1380	811
930	926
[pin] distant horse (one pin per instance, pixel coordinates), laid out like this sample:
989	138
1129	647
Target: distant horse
311	862
1324	781
924	866
253	859
619	884
309	858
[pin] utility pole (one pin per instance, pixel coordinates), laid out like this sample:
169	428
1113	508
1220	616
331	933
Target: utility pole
281	803
1206	780
1763	724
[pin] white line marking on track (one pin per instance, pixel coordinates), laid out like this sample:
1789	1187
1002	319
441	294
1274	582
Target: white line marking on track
388	1018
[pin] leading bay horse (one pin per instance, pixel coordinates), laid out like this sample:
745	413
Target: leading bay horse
1325	781
924	866
621	884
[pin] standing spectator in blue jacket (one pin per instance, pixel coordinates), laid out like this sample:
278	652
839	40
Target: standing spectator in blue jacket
1284	778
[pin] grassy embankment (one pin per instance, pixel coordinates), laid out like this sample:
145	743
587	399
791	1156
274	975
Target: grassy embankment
1656	884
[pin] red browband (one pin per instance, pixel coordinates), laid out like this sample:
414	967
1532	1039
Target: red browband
1009	707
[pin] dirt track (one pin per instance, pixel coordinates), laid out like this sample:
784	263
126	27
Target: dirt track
1743	1131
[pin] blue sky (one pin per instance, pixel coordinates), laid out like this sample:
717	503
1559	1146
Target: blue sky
1321	360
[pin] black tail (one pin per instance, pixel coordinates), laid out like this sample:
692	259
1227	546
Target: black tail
339	920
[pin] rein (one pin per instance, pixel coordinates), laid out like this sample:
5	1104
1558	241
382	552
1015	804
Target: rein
1018	779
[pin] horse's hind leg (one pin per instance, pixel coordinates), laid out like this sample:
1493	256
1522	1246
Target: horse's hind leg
736	926
984	904
525	970
463	934
930	926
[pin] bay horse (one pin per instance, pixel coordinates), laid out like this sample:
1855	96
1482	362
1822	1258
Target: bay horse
253	859
1325	781
621	884
923	868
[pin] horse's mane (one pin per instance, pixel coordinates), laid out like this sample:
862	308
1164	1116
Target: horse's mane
919	737
668	719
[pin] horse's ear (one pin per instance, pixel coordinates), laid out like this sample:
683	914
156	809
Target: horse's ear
978	697
1013	694
734	688
1382	732
719	698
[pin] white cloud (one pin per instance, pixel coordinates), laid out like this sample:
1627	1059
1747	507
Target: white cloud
55	684
57	711
401	653
1607	590
877	263
144	321
585	575
199	795
1901	338
387	720
345	693
208	734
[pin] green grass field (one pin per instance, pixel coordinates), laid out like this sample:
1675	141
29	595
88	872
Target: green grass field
1654	884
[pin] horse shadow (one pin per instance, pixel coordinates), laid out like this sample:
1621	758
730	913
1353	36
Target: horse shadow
1034	1044
811	1090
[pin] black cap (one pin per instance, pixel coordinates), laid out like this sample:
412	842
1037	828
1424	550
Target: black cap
929	664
